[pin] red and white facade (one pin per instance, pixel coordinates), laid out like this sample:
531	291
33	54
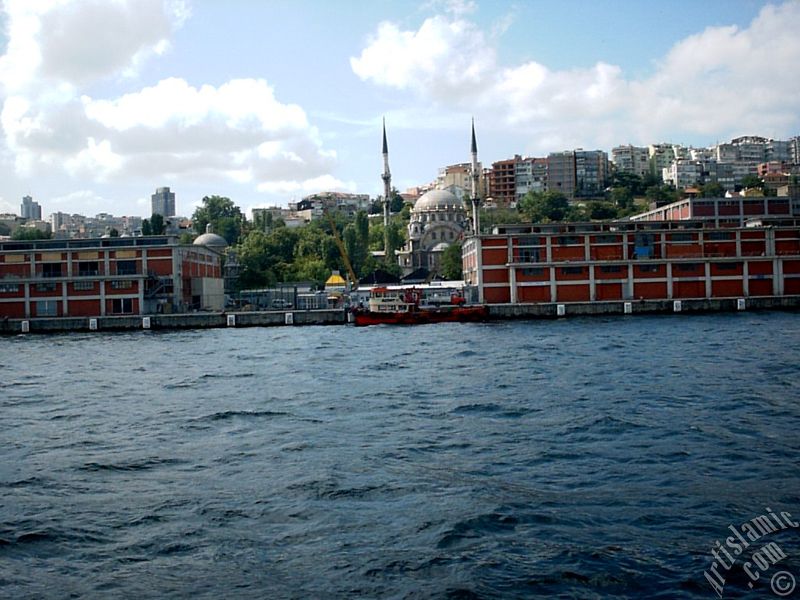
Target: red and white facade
724	212
108	276
593	262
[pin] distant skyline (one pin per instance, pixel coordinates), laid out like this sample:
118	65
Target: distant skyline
265	102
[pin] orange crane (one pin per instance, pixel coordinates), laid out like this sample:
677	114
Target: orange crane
342	250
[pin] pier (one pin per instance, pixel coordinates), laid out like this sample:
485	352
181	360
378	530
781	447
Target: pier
499	312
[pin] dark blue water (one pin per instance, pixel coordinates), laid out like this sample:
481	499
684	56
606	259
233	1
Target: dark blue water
575	458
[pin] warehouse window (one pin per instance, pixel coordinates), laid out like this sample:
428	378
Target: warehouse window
51	270
122	306
47	308
126	267
571	270
87	269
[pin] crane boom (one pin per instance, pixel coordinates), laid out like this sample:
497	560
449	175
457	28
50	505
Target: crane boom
342	250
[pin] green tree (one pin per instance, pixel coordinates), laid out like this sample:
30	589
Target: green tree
146	228
396	204
752	181
661	194
621	197
543	207
451	262
157	225
601	211
629	181
29	234
225	217
499	216
113	232
712	189
396	238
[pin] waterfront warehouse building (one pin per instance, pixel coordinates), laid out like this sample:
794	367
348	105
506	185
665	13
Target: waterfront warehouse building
108	276
724	212
594	262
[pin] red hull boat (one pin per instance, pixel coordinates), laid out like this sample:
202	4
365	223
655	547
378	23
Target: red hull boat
405	307
445	314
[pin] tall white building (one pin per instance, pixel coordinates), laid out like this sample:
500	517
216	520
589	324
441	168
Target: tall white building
631	159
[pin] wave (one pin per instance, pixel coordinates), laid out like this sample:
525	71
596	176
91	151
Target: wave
136	465
242	414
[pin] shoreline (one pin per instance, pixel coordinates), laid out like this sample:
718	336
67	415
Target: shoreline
497	312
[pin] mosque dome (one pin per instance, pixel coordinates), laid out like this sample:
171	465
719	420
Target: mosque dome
211	239
438	200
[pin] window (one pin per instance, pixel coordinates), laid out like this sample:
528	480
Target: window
728	266
45	287
569	240
682	237
649	268
9	288
86	269
608	238
571	270
126	267
83	286
528	241
47	308
533	271
719	235
122	306
51	270
529	255
611	269
688	267
122	284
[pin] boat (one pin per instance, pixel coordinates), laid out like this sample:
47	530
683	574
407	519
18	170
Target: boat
408	307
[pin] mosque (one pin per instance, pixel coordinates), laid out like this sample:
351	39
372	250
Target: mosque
438	219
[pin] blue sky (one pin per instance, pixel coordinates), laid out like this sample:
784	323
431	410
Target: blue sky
264	102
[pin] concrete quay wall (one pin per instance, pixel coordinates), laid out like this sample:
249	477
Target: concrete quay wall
339	316
174	321
573	309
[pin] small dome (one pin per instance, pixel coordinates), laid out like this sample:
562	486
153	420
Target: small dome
211	239
438	199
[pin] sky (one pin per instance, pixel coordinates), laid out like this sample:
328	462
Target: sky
103	101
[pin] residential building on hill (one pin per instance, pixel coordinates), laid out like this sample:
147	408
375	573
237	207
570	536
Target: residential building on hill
631	159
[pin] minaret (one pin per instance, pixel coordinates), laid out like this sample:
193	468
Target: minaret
387	192
475	176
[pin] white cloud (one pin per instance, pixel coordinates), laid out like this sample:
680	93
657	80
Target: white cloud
237	131
721	81
324	183
86	198
445	57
